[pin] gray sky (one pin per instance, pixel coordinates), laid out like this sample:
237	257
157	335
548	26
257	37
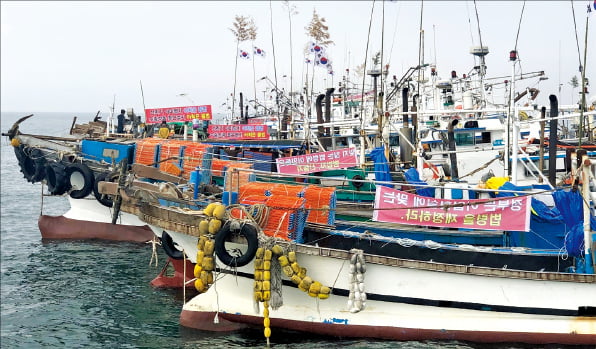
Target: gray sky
75	56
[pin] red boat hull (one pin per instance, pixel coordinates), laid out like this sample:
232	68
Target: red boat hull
60	227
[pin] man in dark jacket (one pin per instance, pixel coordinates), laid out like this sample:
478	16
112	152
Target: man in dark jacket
120	128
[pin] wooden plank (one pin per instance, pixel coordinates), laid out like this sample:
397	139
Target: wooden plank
154	173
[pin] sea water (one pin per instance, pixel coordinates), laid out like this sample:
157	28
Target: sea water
93	294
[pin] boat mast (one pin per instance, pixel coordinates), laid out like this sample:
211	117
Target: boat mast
512	124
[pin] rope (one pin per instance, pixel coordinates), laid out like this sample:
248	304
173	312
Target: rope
480	168
41	206
576	39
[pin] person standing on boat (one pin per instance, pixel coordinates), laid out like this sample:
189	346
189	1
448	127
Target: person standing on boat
164	130
120	128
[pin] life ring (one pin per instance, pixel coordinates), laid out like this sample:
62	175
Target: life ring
56	178
104	199
250	234
81	180
169	246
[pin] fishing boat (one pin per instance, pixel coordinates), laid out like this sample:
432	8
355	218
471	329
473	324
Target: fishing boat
254	271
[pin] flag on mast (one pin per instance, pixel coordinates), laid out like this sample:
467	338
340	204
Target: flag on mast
243	54
258	52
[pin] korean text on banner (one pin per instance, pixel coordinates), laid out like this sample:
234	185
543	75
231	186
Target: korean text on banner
178	114
309	163
506	213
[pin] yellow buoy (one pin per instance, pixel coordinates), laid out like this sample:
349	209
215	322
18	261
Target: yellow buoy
209	209
283	261
323	295
208	264
204	227
292	256
267	332
219	211
278	250
258	264
266	265
302	273
295	267
268	255
266	295
260	252
200	256
324	290
15	142
198	270
266	275
296	279
209	247
266	312
199	285
214	225
201	243
288	271
266	322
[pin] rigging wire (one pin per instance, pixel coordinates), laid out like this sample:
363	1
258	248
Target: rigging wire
519	25
576	39
471	31
420	48
372	10
394	31
273	46
517	36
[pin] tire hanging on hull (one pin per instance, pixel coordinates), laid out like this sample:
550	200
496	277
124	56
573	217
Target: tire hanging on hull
32	165
104	199
250	234
56	178
169	246
81	180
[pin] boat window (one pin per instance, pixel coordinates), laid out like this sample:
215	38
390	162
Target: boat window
485	138
464	138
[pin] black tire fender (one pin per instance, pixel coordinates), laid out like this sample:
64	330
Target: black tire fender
249	232
39	162
32	165
170	247
104	199
56	178
84	173
358	184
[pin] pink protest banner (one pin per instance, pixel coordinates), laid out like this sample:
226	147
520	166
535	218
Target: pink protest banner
238	131
178	114
507	213
309	163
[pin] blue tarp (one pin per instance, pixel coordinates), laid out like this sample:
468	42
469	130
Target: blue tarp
570	204
413	177
381	166
547	227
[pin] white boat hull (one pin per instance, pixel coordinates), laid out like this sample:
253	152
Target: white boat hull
409	301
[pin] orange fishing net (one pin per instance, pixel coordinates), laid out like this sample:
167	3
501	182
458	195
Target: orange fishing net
234	179
193	157
168	149
217	166
145	151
